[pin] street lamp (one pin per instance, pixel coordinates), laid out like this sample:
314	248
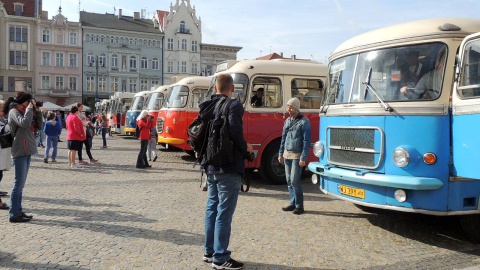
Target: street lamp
96	61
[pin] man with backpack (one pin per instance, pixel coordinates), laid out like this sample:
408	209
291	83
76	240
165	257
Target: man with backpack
223	180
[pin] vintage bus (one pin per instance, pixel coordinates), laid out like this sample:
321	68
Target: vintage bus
139	103
120	103
395	137
263	123
179	111
157	99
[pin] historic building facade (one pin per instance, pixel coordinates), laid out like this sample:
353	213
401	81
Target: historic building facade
58	60
17	45
120	53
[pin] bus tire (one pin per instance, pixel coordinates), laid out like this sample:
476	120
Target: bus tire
471	227
271	170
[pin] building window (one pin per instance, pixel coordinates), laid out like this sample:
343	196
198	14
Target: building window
18	34
114	84
73	38
170	66
18	10
184	44
102	60
45	58
102	39
194	46
155	82
143	85
133	85
73	60
59	82
72	84
114	61
155	65
59	59
184	67
45	82
182	27
18	58
46	36
194	69
90	59
116	40
102	84
143	63
170	44
90	83
133	62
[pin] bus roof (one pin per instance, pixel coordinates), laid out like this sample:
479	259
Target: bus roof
143	93
162	88
415	30
309	68
194	80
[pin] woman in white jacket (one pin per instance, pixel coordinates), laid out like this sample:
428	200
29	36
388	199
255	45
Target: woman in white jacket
5	154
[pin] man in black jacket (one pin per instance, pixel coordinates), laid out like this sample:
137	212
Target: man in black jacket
224	181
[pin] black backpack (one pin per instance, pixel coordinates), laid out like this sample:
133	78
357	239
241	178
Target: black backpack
219	149
197	131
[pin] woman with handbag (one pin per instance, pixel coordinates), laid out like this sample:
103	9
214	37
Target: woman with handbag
144	124
20	111
5	153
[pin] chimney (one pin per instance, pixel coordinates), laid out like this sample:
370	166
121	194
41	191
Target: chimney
119	13
44	15
136	15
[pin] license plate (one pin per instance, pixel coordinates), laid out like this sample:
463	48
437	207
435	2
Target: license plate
350	191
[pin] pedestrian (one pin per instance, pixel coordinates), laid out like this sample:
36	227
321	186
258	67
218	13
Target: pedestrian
224	182
5	154
20	110
293	152
110	126
75	136
144	124
152	144
52	129
41	124
104	126
88	141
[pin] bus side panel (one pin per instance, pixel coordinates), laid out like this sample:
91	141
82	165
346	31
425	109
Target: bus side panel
176	122
466	146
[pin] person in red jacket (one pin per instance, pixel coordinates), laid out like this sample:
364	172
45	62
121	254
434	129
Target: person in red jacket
75	135
144	124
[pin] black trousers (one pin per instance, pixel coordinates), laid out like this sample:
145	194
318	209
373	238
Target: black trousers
88	146
142	160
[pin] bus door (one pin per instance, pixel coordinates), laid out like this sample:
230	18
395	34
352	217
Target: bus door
466	111
265	121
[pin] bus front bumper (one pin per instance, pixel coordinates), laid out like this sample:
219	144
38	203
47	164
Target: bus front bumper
172	141
376	179
127	130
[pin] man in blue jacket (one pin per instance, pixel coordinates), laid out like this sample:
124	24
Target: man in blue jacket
296	138
224	181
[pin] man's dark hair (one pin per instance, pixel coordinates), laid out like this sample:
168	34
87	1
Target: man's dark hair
74	109
260	89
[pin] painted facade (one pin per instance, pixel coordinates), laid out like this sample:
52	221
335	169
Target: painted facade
58	60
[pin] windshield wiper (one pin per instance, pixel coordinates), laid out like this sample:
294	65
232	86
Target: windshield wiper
335	87
368	86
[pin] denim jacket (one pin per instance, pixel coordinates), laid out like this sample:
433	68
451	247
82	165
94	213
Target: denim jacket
296	138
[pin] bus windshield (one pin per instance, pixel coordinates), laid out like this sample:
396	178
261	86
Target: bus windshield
156	101
137	103
408	73
178	97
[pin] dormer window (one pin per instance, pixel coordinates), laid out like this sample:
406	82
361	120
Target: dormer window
18	9
182	27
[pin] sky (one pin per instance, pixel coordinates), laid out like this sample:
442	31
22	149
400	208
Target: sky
308	29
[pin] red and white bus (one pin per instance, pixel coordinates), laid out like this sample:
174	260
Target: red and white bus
157	100
262	125
120	103
180	110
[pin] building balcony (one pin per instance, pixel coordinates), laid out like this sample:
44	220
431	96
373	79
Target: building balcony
55	92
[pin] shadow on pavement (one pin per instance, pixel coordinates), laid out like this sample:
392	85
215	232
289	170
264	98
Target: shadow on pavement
7	261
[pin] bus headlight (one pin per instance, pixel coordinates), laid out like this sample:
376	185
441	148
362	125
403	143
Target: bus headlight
318	148
400	195
314	179
401	157
167	130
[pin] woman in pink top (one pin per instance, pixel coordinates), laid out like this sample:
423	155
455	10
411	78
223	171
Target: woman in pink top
75	136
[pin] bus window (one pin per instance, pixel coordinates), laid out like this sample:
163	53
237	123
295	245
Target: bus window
469	86
198	96
272	97
308	91
178	97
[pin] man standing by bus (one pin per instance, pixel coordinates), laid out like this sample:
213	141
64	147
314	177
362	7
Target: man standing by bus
293	153
224	181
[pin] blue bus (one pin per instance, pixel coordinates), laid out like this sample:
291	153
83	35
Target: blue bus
139	103
397	124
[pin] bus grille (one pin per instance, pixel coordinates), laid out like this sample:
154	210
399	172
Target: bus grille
160	122
355	147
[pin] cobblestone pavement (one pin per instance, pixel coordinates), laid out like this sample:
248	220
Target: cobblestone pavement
112	216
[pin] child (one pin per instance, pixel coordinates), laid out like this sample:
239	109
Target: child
52	128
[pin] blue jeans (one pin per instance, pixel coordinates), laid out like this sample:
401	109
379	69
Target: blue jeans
222	195
21	166
52	142
104	136
40	137
293	171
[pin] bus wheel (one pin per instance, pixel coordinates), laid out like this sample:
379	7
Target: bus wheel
470	225
271	170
